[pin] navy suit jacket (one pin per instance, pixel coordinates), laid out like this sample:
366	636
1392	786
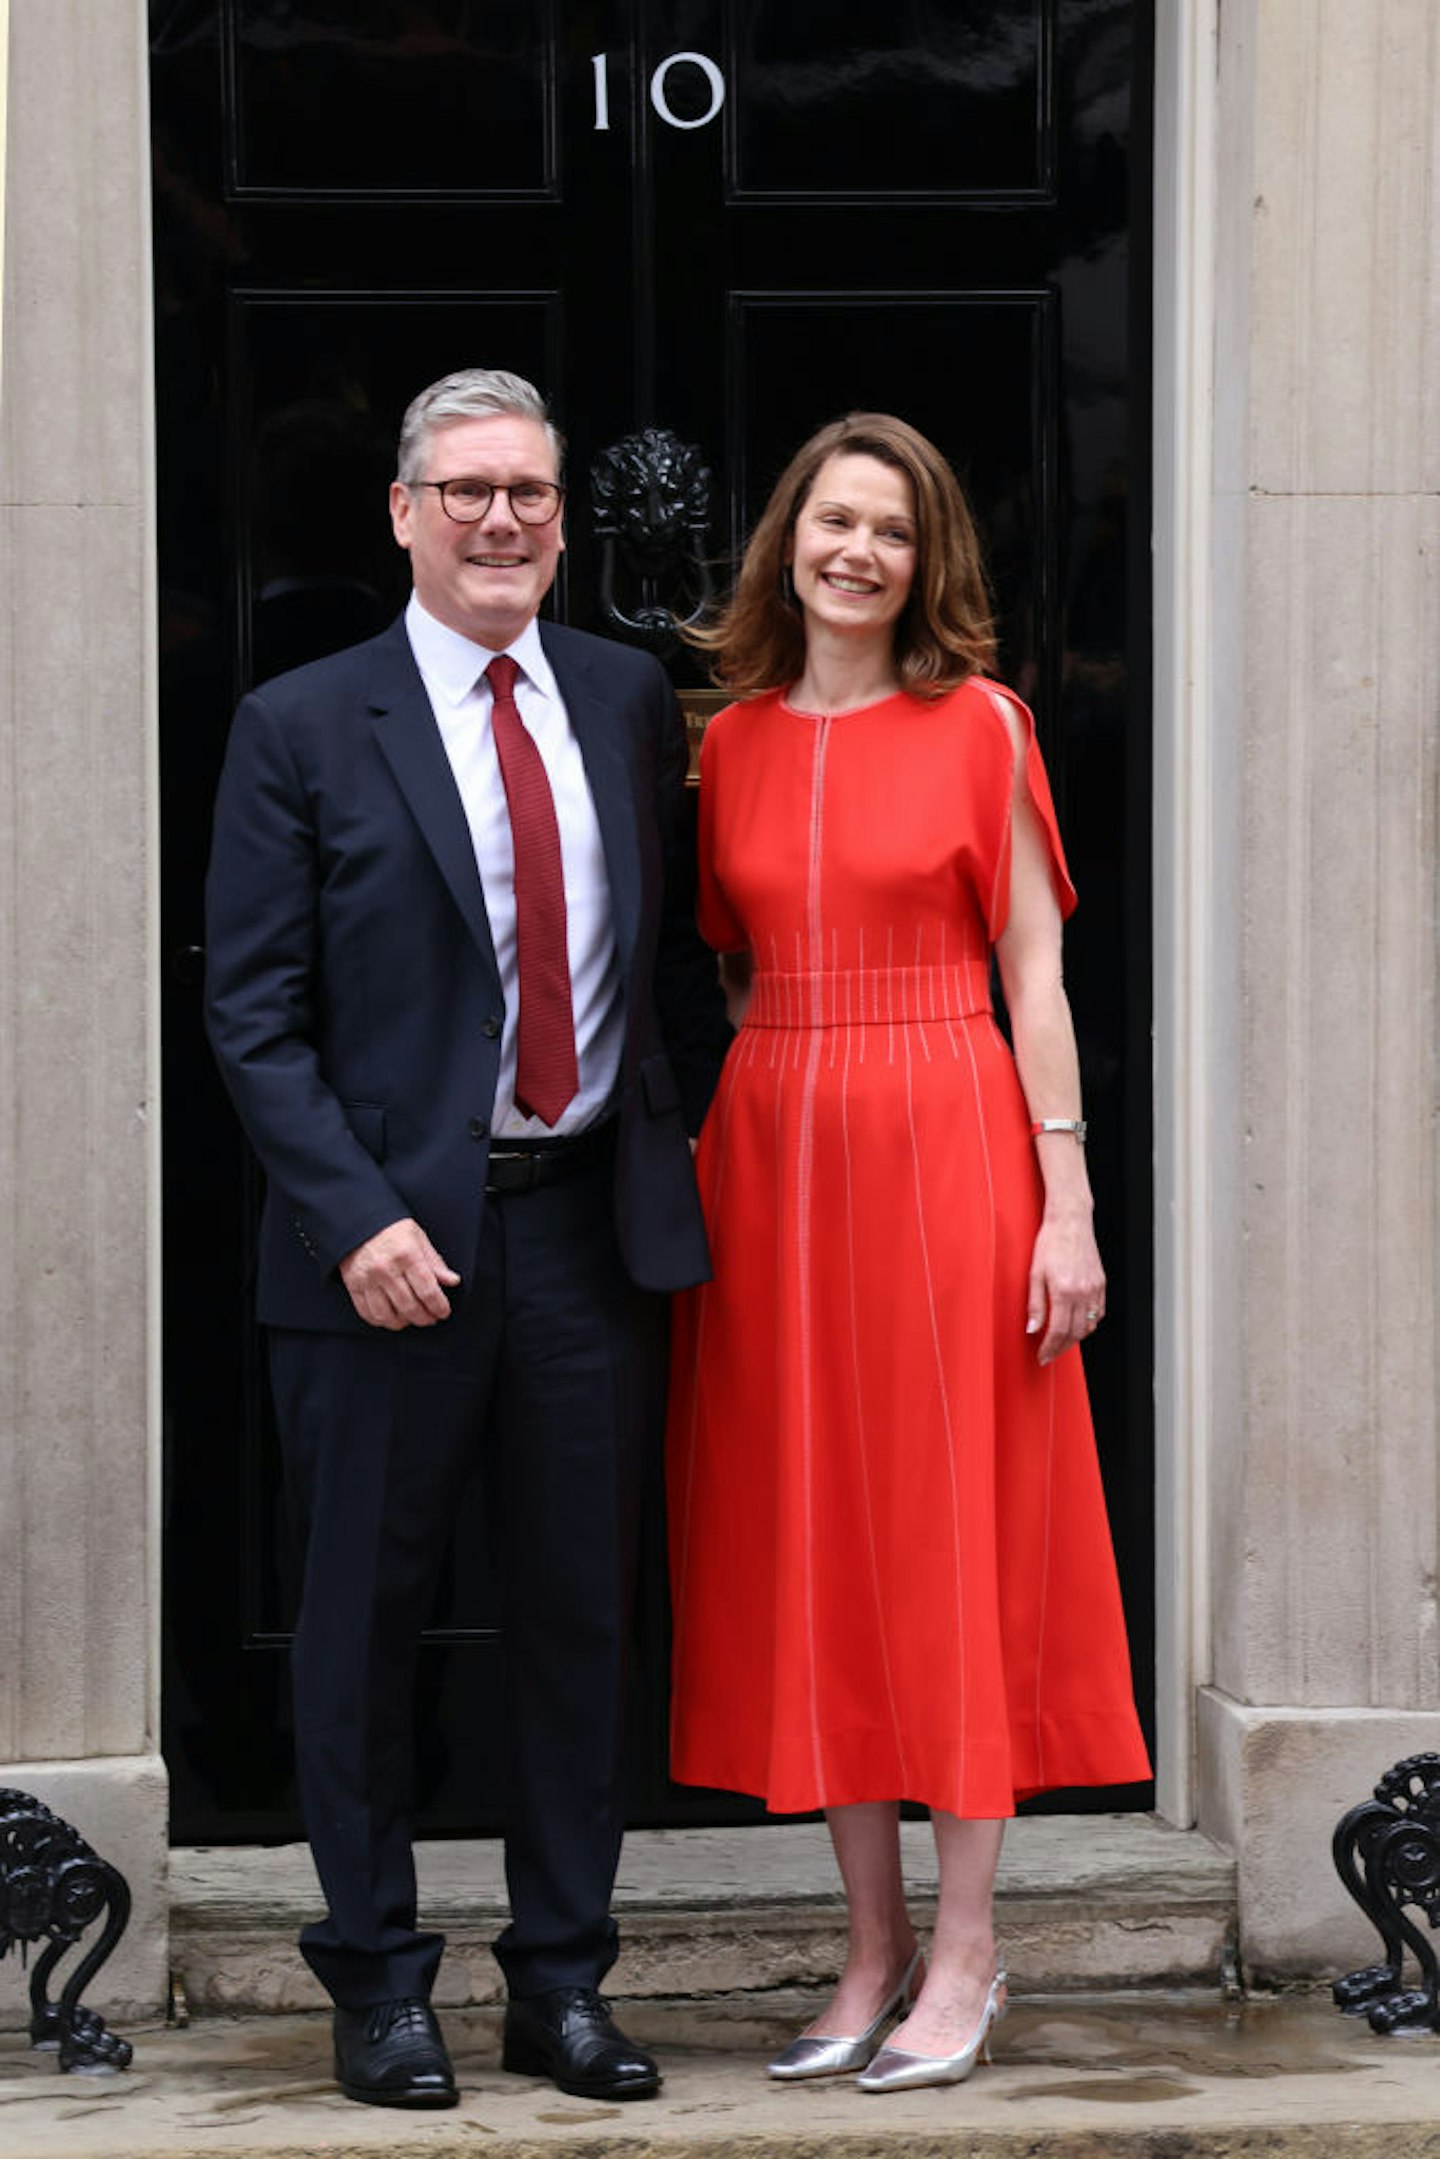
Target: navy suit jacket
352	993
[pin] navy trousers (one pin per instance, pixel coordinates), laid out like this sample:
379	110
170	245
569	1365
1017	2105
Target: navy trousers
549	1376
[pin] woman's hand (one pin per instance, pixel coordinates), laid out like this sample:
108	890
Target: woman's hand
1066	1298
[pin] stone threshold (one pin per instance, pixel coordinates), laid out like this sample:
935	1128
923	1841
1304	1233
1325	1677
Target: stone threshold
1086	1902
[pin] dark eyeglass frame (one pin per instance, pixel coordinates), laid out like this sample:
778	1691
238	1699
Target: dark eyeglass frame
494	488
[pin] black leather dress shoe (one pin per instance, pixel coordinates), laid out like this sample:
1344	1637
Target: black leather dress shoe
392	2055
569	2035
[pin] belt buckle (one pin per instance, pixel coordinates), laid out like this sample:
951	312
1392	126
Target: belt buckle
515	1170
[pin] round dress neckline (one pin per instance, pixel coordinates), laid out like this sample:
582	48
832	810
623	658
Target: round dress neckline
851	712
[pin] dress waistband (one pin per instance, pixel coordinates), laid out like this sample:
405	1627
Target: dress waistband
867	996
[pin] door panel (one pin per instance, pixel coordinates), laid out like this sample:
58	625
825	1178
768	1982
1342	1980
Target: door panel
973	84
349	101
729	218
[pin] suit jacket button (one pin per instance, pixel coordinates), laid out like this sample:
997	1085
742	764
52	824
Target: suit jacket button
491	1028
478	1128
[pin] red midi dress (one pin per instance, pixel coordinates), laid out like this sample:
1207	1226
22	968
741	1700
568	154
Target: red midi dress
890	1559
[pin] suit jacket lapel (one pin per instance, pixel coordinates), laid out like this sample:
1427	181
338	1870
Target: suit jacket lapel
410	742
597	729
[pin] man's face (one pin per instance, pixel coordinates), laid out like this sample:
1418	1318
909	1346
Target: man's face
485	580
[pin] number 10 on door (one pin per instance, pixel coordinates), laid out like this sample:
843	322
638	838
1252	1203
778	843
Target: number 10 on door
659	89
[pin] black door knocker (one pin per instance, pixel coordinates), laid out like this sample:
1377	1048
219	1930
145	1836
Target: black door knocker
651	497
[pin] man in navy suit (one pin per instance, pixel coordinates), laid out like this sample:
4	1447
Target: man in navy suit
463	1260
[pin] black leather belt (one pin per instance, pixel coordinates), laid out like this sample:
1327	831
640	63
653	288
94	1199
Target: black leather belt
526	1164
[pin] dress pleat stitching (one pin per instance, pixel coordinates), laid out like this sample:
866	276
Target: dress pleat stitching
779	1608
860	1425
945	1417
860	987
1045	1577
924	979
984	1132
949	1022
795	1001
804	1186
772	1040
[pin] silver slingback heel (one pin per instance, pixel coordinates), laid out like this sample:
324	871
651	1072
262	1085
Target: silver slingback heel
893	2070
819	2055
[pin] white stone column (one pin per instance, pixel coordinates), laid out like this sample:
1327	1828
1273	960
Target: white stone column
1324	665
79	1483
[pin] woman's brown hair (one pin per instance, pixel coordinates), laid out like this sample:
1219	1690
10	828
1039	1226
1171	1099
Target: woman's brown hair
945	631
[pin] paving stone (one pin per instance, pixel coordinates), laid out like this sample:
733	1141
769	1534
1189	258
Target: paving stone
1138	2076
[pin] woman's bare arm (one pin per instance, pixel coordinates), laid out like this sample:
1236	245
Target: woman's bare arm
1067	1282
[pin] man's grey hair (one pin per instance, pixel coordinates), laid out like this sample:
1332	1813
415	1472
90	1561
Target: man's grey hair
475	393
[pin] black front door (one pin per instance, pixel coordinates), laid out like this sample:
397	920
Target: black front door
732	219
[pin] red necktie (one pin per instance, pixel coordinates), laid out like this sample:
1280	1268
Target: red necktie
546	1074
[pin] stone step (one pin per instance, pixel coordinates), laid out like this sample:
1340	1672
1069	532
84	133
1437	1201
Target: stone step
1139	2076
1085	1902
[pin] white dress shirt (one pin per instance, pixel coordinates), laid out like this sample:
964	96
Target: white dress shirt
452	668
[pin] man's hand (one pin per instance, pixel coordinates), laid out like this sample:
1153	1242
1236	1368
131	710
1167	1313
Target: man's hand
397	1278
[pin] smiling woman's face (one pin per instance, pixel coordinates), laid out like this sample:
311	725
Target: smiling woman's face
485	580
854	548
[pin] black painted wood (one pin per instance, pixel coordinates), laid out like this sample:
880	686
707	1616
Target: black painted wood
733	219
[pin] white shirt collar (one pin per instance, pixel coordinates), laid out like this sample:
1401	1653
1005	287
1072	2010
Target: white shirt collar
453	664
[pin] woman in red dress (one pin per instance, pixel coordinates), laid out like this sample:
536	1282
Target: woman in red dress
891	1564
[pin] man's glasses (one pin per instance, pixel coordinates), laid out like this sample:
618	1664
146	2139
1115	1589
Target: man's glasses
533	502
